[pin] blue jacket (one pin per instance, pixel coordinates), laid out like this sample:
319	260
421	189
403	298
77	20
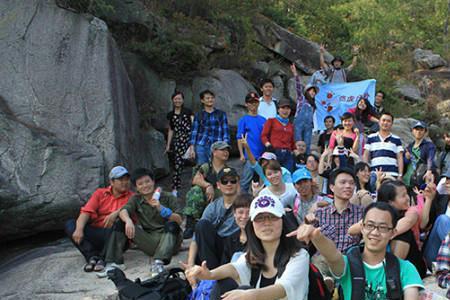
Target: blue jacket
427	153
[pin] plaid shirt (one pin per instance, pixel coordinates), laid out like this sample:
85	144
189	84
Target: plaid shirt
209	128
443	263
335	225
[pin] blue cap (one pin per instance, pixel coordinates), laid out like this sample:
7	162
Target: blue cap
118	172
420	124
301	174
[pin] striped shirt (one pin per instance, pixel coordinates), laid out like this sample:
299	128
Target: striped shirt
209	128
335	225
383	153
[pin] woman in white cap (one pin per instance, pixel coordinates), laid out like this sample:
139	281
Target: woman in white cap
274	266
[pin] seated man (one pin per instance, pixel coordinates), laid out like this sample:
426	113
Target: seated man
90	232
157	231
336	218
204	188
374	273
216	223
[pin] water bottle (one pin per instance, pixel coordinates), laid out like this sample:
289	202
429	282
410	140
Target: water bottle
157	194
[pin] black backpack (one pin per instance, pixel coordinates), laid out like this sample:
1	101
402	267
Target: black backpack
392	269
317	289
171	285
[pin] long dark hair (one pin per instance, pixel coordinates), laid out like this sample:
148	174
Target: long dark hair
360	166
256	255
388	191
363	115
311	100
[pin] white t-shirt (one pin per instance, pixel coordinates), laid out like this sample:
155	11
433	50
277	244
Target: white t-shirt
287	198
267	110
294	278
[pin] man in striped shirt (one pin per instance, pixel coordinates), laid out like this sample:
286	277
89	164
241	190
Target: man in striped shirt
384	150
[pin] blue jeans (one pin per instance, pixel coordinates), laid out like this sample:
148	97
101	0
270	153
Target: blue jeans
303	132
285	159
246	178
438	233
202	153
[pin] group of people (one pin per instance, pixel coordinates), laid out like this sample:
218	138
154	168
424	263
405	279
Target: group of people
363	206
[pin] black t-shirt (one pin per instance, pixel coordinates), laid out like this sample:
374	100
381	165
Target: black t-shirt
324	140
414	255
267	281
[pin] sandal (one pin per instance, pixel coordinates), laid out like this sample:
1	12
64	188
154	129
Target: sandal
100	265
89	266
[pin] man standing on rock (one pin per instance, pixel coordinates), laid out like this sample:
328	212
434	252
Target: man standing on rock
210	125
336	73
90	232
383	150
267	103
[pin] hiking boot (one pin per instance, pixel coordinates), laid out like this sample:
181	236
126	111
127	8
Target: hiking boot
109	266
190	227
157	267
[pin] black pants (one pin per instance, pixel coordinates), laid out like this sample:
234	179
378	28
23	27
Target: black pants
209	243
94	239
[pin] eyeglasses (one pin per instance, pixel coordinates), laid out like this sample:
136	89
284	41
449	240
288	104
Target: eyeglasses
225	181
381	228
261	218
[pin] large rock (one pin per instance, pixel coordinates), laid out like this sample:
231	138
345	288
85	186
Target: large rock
230	89
290	46
402	128
62	75
444	108
408	91
426	59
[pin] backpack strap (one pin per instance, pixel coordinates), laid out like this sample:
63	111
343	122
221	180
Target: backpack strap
393	283
357	272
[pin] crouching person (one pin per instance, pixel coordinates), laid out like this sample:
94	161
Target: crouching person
157	230
274	266
368	272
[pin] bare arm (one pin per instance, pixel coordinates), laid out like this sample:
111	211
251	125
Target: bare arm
406	223
78	234
400	163
169	139
411	293
366	156
323	65
353	64
193	250
400	249
275	291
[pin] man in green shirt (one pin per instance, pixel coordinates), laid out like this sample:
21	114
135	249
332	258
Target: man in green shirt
156	230
378	228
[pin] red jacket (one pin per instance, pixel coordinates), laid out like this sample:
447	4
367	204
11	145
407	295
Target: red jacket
278	135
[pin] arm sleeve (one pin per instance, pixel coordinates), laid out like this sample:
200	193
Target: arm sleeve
409	276
195	127
265	134
240	128
243	270
170	201
431	154
91	206
131	206
226	133
299	90
295	279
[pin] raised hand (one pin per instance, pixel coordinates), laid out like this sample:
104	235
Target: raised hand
294	69
430	191
322	48
355	49
305	233
195	273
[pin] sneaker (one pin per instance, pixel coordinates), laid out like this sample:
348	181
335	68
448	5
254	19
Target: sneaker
109	266
157	267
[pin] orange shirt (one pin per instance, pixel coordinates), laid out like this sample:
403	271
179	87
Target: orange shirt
102	203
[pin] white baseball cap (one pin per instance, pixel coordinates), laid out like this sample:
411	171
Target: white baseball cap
266	204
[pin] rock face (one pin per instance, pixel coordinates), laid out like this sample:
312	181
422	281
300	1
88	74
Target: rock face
71	114
290	46
402	128
408	91
427	59
444	108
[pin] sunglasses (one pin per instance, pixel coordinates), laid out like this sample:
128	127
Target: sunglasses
227	181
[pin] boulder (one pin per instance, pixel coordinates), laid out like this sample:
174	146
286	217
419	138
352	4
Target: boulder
402	128
290	46
63	79
44	179
230	89
154	146
292	92
443	108
426	59
408	91
278	89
